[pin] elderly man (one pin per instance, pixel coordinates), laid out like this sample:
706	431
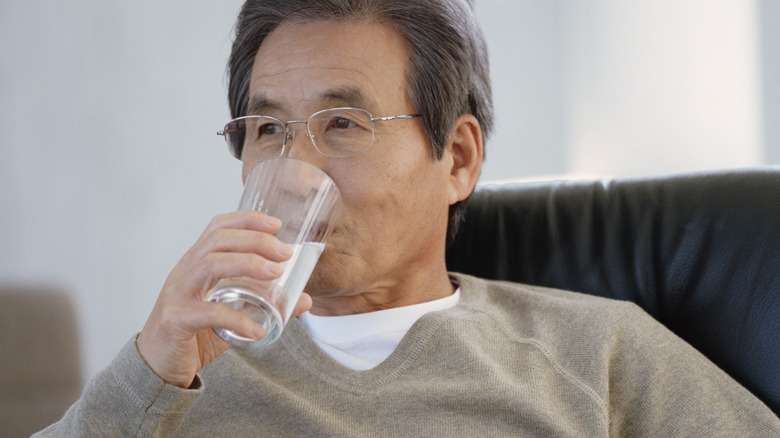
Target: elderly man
393	344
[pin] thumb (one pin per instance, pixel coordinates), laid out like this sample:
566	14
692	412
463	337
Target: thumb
303	304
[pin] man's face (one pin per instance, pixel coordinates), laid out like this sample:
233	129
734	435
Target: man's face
393	226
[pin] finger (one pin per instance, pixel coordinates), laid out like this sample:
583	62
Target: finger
247	220
304	304
230	265
248	241
222	316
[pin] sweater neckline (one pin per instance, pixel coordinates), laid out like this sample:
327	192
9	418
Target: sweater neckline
309	356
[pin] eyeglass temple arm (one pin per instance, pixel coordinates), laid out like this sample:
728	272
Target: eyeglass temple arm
405	116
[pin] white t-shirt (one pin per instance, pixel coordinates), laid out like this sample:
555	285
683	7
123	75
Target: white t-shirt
364	340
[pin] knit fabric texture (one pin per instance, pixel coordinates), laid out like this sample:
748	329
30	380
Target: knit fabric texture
508	360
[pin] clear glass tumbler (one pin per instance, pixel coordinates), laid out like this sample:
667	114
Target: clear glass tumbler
307	202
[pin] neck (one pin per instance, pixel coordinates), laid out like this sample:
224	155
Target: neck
386	295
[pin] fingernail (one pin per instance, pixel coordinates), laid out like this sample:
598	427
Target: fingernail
285	250
273	222
258	331
275	268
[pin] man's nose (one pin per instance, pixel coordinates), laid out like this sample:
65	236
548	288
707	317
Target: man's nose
297	143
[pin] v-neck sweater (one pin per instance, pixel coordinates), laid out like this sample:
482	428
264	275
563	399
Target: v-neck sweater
508	360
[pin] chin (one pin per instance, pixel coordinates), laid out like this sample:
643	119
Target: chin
331	275
323	280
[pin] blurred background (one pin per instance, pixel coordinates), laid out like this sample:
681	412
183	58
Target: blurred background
110	167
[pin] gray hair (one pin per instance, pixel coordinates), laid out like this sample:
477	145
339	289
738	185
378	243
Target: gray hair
447	72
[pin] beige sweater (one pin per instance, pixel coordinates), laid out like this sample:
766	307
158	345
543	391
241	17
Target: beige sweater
508	360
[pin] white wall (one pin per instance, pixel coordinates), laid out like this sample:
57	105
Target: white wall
769	60
110	166
608	87
524	45
661	86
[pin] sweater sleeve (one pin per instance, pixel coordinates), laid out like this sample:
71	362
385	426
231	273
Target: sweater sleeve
126	399
661	386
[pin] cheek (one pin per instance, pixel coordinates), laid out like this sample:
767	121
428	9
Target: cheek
402	197
374	189
372	205
390	186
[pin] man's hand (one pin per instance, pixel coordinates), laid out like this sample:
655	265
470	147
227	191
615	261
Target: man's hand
177	340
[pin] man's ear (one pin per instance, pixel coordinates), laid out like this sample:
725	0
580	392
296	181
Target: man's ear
465	149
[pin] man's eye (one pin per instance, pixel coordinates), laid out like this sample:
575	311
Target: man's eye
269	129
341	123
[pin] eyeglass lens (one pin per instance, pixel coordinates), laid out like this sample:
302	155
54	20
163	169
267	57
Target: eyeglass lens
335	132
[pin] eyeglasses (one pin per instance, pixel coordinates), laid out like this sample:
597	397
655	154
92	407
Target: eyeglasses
334	132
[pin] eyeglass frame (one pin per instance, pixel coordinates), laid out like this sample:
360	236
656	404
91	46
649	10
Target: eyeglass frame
289	134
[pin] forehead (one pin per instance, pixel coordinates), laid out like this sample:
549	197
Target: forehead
355	63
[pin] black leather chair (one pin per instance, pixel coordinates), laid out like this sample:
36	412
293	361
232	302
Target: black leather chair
699	252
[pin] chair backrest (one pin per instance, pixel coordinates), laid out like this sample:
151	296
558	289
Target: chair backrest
699	252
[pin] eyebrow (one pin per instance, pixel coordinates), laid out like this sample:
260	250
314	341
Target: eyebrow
345	96
342	96
260	104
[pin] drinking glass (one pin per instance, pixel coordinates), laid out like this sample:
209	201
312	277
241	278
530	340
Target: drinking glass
307	202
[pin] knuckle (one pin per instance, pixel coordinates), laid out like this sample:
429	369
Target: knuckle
260	267
255	262
216	223
213	239
208	263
